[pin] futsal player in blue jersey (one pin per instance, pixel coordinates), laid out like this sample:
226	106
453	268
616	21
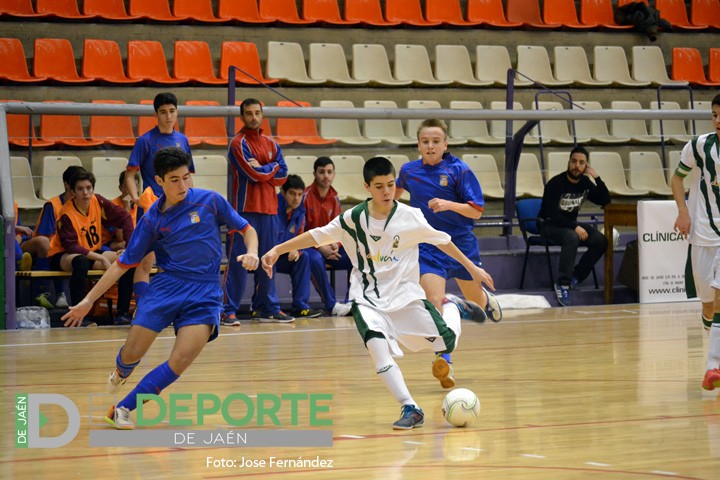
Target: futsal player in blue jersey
182	228
450	197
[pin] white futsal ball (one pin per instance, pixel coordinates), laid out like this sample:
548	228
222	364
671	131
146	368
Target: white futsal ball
616	236
461	407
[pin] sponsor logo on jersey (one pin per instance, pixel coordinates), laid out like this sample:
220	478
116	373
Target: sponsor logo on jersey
375	237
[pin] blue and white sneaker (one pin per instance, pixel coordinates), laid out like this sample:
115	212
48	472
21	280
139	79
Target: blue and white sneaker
411	417
493	311
468	310
562	292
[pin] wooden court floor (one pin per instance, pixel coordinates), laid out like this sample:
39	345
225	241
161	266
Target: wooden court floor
589	392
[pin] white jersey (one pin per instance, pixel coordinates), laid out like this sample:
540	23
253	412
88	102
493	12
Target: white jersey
701	158
384	253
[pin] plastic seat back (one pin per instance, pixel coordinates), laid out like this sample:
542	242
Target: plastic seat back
206	131
244	56
193	61
102	60
23	185
13	65
54	59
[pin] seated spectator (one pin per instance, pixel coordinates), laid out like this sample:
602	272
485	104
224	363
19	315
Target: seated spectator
563	196
291	221
322	205
77	245
113	238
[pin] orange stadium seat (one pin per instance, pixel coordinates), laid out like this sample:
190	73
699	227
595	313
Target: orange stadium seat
564	13
245	11
368	12
489	12
20	131
324	11
146	61
206	131
527	12
447	12
687	65
13	65
54	59
244	56
193	61
705	12
299	130
714	65
102	60
111	130
65	130
198	10
67	9
158	10
108	10
674	11
599	12
284	11
18	8
407	12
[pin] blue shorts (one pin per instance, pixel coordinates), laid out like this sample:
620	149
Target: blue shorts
180	301
433	260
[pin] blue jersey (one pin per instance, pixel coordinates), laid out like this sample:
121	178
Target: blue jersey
289	226
452	180
143	153
185	238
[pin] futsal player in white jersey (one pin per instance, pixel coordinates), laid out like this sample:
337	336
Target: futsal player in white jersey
699	221
390	308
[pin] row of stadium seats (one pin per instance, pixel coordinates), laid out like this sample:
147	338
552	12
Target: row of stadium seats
556	14
102	62
117	131
644	176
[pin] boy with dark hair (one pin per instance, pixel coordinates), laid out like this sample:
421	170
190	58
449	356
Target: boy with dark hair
389	305
77	246
183	228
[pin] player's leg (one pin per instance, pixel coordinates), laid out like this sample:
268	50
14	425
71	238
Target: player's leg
320	280
79	265
141	276
596	244
136	345
569	242
235	277
700	274
711	380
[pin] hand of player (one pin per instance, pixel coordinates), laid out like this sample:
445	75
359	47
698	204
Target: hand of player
136	201
330	252
682	224
590	171
75	316
249	261
253	163
25	231
481	276
581	232
268	260
439	205
105	262
294	255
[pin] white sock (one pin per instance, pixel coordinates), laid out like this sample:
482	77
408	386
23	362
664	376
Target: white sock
713	355
389	371
451	315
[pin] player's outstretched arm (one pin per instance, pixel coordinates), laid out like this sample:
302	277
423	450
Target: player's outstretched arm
250	260
304	240
77	312
478	274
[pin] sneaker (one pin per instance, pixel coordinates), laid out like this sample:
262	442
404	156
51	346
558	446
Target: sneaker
307	313
492	309
123	319
573	284
119	417
712	379
229	320
25	264
61	301
468	310
341	309
562	292
280	317
707	324
442	369
411	417
115	381
44	301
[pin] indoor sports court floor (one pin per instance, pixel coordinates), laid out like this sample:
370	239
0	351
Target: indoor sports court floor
609	392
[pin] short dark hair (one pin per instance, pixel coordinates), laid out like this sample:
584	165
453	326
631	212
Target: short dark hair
716	100
121	179
168	159
82	175
70	172
249	101
322	162
579	149
293	181
165	98
377	166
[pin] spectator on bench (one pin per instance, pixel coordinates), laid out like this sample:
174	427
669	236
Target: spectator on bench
77	246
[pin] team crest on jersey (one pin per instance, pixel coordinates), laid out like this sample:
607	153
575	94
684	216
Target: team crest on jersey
194	217
396	241
292	228
375	237
443	180
430	339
